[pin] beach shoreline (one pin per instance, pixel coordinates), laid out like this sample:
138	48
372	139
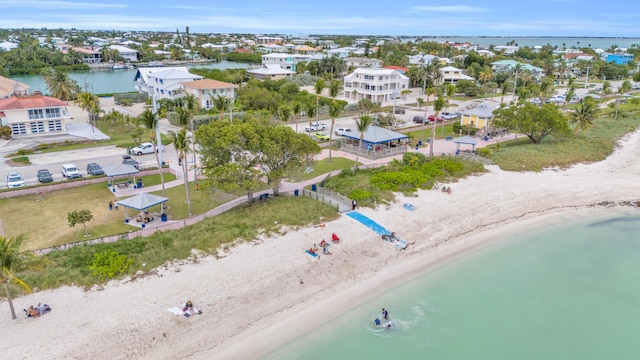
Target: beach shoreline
262	294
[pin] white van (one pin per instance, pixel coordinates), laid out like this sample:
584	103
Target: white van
71	171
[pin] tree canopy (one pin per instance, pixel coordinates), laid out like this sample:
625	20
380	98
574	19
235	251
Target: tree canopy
533	121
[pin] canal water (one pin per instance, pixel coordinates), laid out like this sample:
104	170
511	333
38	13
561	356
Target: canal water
110	81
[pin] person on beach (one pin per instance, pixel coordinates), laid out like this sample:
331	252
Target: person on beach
189	309
385	314
315	248
377	322
353	204
110	205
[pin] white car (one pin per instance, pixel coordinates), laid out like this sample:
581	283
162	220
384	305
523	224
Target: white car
14	180
343	131
448	116
315	127
144	148
71	171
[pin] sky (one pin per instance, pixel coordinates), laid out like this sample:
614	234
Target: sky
580	18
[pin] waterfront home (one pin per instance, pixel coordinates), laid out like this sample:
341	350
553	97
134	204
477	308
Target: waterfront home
618	58
206	90
376	85
34	114
452	74
163	82
509	66
89	56
286	61
270	71
125	52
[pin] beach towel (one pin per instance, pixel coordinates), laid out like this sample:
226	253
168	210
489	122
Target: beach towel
409	207
314	254
175	310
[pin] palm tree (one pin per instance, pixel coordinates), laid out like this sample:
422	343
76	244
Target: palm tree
335	87
318	87
13	259
485	75
568	97
311	113
181	143
296	107
428	91
438	105
516	69
60	85
150	121
221	104
362	124
625	87
504	88
584	114
89	103
449	91
284	113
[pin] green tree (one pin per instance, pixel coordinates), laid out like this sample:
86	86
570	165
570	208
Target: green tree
82	216
281	150
438	105
335	87
312	109
13	259
624	87
296	107
221	103
181	143
533	121
89	103
318	87
60	85
584	114
449	91
150	121
362	125
227	152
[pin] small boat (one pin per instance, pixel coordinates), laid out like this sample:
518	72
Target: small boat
121	66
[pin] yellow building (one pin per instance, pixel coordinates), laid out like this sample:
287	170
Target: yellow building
478	117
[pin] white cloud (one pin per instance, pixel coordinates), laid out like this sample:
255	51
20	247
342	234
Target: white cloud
450	8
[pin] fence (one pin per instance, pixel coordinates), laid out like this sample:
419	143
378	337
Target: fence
317	195
385	151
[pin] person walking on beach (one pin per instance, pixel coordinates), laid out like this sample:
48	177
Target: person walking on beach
353	204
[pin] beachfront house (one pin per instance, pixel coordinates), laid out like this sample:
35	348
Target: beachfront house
207	90
163	82
34	114
478	117
270	71
376	85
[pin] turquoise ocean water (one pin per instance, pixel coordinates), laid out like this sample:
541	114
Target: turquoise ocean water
570	292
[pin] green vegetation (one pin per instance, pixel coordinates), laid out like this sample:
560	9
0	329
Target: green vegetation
73	266
320	167
22	160
415	171
109	264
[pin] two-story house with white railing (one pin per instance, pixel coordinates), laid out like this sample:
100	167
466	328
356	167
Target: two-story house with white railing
207	90
163	82
34	114
286	61
376	85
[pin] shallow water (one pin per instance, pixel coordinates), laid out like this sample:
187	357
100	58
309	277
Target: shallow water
570	292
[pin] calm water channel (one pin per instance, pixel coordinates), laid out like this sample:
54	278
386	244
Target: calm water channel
110	81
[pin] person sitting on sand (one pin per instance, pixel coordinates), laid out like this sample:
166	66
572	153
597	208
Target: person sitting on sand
323	243
32	312
189	309
315	248
311	251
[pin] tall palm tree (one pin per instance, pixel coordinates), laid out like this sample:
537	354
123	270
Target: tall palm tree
181	143
335	87
584	114
221	103
89	103
504	88
60	85
150	121
296	107
438	105
449	91
13	259
318	87
311	113
428	91
284	113
362	124
517	70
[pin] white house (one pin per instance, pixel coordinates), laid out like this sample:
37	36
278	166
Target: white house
7	46
452	74
422	59
359	62
34	114
125	52
271	71
206	90
286	61
376	85
163	82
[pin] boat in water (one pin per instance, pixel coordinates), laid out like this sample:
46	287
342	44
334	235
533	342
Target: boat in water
121	66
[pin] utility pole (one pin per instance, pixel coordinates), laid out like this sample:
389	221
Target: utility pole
586	79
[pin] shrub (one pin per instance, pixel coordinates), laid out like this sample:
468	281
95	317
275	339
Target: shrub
109	264
359	195
483	152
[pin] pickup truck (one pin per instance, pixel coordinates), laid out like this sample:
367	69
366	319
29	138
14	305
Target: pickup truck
144	148
315	127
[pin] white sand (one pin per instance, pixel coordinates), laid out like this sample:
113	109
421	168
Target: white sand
261	295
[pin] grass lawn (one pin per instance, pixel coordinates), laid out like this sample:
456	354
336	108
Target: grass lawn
201	201
417	133
322	167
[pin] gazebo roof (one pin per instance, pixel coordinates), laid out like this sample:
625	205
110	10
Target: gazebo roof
466	140
377	135
142	201
120	169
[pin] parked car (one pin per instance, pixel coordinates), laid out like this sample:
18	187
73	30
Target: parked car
71	171
144	148
419	119
433	118
342	131
315	127
128	160
321	136
94	169
399	111
449	116
14	180
44	176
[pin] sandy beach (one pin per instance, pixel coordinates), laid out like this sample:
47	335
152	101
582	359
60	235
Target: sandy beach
257	296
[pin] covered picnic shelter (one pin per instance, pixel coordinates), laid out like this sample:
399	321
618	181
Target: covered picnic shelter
377	142
465	140
142	202
120	170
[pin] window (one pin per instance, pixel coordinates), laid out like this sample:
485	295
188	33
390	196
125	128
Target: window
380	78
37	127
18	129
55	125
35	114
53	112
368	77
367	87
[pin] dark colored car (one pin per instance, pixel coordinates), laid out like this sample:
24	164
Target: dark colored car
94	169
128	160
399	111
44	176
418	119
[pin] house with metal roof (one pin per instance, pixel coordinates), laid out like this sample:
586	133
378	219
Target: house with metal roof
479	116
509	65
377	142
270	71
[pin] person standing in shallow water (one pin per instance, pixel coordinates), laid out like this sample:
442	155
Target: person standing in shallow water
385	314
